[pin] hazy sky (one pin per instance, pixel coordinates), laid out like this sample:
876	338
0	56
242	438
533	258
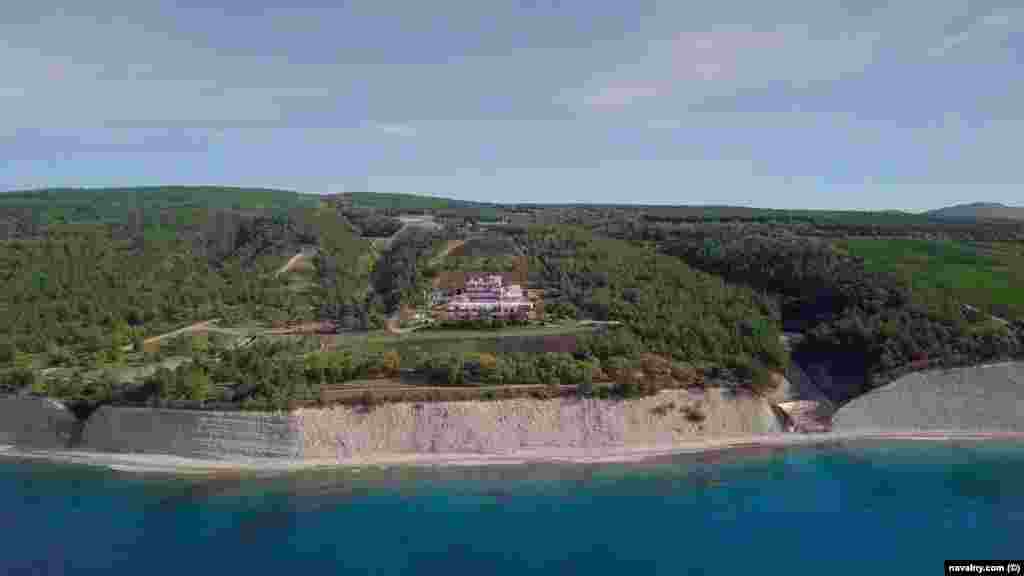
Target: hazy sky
908	104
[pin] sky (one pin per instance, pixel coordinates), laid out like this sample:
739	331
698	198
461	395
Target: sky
840	104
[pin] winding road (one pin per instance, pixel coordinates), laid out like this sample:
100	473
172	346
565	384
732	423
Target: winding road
305	252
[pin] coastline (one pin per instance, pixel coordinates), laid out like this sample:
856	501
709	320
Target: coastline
178	465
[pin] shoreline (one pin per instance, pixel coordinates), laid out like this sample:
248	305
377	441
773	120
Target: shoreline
178	465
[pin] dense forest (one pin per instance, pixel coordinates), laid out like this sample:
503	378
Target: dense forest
372	224
845	308
399	276
391	204
94	287
671	309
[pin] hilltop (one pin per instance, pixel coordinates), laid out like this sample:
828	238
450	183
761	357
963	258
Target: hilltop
979	211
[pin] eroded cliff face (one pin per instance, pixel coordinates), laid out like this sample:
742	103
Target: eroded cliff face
505	426
192	433
341	432
37	423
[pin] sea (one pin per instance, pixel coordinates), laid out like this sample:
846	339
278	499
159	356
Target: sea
854	507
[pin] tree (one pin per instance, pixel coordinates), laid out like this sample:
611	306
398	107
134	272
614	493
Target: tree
488	362
392	363
456	372
8	351
17	379
586	384
198	385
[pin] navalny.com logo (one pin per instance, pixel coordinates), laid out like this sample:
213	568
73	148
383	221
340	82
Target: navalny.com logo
983	566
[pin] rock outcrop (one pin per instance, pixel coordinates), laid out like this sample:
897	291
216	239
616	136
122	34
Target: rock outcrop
36	423
806	407
192	433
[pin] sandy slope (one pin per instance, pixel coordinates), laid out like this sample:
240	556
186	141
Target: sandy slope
508	426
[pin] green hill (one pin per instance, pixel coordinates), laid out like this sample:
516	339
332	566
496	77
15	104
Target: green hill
33	208
394	201
89	271
413	203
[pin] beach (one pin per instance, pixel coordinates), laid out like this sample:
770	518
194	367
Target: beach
164	463
975	403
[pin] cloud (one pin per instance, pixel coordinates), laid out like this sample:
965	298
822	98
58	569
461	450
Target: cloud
719	55
393	129
617	94
79	70
994	26
694	65
35	143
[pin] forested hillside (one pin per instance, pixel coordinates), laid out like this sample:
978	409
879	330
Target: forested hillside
846	308
399	276
407	202
92	271
27	213
671	308
344	268
672	222
88	275
389	204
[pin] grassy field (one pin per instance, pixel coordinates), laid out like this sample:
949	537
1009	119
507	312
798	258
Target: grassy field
988	276
516	339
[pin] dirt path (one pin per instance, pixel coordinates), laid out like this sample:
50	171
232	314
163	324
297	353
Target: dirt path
452	245
290	264
385	243
197	327
975	310
204	326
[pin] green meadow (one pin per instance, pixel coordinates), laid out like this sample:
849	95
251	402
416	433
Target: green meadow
988	276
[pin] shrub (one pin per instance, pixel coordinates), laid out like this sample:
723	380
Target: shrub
7	351
683	373
392	363
17	379
663	409
693	413
761	380
368	400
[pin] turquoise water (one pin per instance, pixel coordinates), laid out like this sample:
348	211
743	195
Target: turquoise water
842	508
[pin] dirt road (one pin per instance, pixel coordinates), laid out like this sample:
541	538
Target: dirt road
452	245
290	264
197	327
975	310
204	326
